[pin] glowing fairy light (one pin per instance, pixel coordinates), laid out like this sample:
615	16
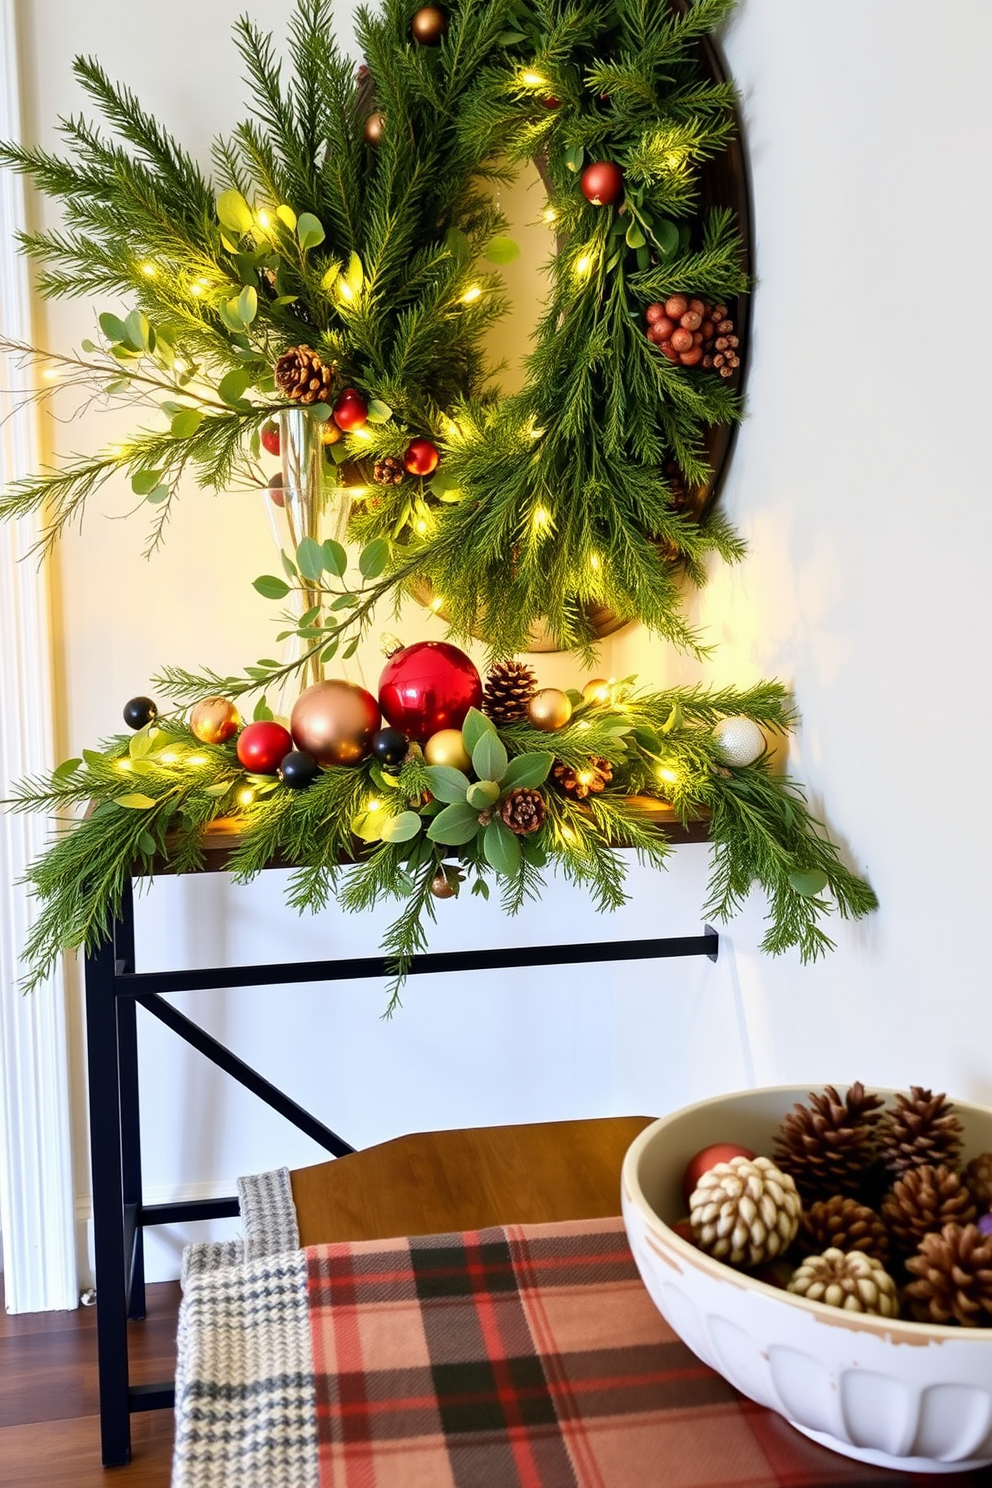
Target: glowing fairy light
197	759
246	796
541	520
263	219
149	270
549	214
471	295
533	80
169	757
437	603
124	764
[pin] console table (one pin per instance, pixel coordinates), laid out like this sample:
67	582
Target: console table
114	989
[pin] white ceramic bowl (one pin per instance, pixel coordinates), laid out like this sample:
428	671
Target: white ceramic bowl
904	1395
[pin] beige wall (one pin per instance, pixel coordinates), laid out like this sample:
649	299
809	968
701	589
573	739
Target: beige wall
860	482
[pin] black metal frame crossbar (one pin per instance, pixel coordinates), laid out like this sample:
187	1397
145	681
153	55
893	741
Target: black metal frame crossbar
114	989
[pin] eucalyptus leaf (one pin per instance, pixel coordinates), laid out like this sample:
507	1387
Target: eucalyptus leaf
634	236
66	770
247	305
808	883
489	759
528	770
482	794
112	326
135	801
234	213
481	888
379	412
502	849
216	791
354	273
574	156
455	825
160	494
476	724
447	783
269	587
368	825
502	250
145	481
458	246
666	236
147	844
262	713
330	651
335	558
350	649
229	314
287	217
441	483
94	760
674	720
137	331
402	828
232	385
310	559
184	425
309	231
292	571
321	412
373	558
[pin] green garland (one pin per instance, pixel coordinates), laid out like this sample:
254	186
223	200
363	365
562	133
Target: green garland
381	257
364	834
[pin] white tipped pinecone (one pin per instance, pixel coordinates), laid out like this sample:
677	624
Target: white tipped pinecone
745	1211
852	1280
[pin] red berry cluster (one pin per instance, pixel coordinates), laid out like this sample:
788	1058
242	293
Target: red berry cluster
693	333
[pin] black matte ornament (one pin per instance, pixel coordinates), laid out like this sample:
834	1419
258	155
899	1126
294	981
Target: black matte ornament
389	746
138	711
298	769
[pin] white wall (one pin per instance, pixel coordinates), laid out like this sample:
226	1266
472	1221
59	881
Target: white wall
862	455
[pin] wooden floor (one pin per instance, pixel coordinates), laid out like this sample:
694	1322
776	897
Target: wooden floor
49	1426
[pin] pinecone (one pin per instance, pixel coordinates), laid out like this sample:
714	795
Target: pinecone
920	1128
692	332
304	377
389	471
954	1277
744	1211
589	780
840	1223
510	685
924	1200
828	1146
852	1280
978	1176
523	811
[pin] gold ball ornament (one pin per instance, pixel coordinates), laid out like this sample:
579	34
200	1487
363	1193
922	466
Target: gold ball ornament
214	720
429	25
334	721
549	710
442	887
447	747
596	690
372	129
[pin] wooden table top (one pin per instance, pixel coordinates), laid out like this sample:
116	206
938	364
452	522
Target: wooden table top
432	1182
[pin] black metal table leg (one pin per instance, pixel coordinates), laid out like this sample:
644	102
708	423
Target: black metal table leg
108	1205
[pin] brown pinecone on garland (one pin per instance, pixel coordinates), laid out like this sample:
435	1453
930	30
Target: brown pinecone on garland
588	780
953	1271
829	1145
924	1200
389	471
978	1177
304	377
523	811
851	1280
841	1223
920	1128
510	685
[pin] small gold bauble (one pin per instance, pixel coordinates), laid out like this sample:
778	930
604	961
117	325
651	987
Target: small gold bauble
214	720
596	690
447	747
429	25
549	710
372	129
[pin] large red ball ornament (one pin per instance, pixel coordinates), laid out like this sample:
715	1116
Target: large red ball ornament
602	183
351	410
335	721
262	746
421	457
428	687
706	1159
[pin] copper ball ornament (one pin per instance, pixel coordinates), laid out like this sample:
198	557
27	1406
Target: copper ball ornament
447	747
549	710
429	25
602	183
372	128
427	687
263	745
214	720
739	741
334	721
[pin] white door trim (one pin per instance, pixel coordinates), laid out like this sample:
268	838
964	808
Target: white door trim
36	1199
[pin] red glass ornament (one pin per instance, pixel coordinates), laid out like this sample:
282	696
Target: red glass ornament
708	1158
421	457
602	183
263	746
351	410
683	1228
428	687
270	437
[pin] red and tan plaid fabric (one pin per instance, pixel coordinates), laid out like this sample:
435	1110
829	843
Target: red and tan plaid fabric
532	1357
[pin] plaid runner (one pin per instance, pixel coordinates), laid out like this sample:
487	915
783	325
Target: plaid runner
531	1357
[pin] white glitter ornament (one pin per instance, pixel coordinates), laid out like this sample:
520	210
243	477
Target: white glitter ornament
739	741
